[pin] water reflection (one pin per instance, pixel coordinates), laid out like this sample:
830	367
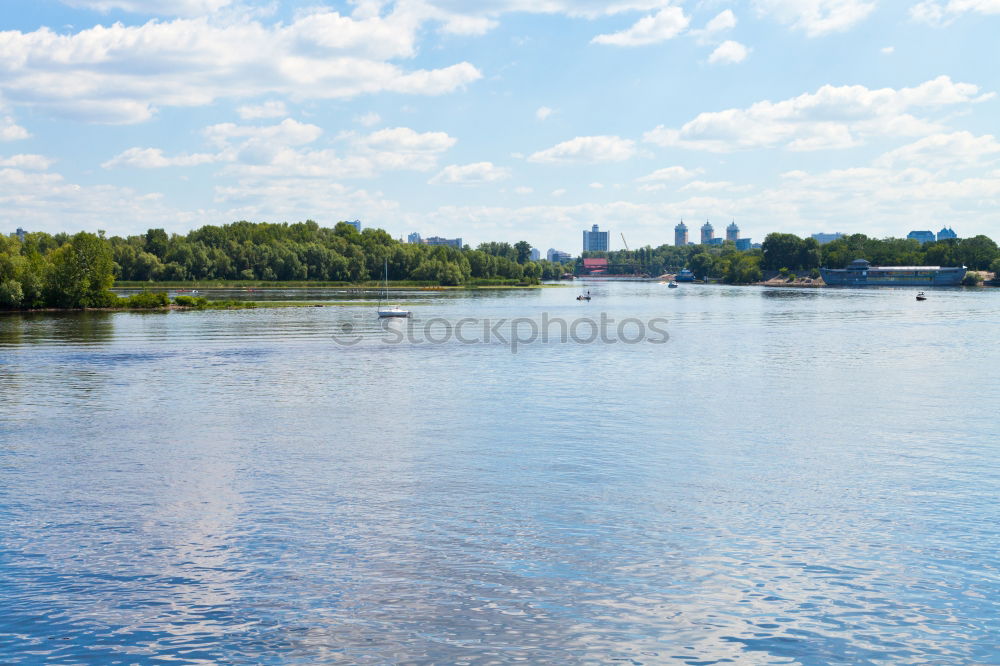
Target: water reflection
775	484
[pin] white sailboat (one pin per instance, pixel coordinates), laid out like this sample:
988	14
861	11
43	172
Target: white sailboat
387	310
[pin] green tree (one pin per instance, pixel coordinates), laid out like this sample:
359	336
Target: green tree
701	265
523	250
783	250
82	273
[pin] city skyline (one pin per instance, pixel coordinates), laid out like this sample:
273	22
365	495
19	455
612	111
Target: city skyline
504	121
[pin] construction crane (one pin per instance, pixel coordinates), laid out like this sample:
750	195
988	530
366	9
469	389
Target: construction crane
624	243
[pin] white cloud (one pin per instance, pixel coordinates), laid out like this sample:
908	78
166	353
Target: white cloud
11	131
269	109
725	20
470	174
832	117
369	119
943	151
888	50
596	186
670	173
816	17
153	158
103	74
665	24
543	112
279	151
589	9
722	22
523	190
587	149
941	13
559	192
708	186
27	162
728	53
157	7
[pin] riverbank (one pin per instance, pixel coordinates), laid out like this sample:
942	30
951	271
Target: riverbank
253	285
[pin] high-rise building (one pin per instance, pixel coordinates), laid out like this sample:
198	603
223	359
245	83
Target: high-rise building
681	234
946	233
355	223
743	244
535	254
21	233
557	256
595	240
922	236
437	240
732	232
414	238
823	239
707	232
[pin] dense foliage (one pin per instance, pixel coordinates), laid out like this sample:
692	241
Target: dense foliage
77	271
802	255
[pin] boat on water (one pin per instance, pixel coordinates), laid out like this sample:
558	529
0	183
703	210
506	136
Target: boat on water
388	311
672	284
584	297
860	273
921	297
684	275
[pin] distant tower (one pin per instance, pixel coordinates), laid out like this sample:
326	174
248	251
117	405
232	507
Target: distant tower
707	233
414	238
681	234
732	232
595	240
945	233
21	233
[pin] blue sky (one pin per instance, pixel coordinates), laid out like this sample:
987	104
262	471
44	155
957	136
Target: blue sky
502	119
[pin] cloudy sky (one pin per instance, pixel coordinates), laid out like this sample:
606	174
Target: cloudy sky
502	119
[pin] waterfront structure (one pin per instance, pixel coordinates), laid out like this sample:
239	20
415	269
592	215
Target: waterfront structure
946	233
732	232
860	273
595	240
558	256
823	239
684	275
595	266
355	223
707	233
437	240
535	254
21	233
414	238
681	234
922	236
742	244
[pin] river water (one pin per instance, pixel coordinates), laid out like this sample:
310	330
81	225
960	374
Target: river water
734	474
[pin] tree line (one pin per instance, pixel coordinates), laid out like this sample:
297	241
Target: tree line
788	252
77	271
61	270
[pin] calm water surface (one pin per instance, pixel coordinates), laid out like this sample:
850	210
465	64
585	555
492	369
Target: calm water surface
794	477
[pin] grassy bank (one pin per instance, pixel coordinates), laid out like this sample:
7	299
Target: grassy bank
307	284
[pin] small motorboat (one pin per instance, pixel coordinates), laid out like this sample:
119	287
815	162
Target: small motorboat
921	297
672	285
584	297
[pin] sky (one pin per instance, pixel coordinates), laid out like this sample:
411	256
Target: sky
502	119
